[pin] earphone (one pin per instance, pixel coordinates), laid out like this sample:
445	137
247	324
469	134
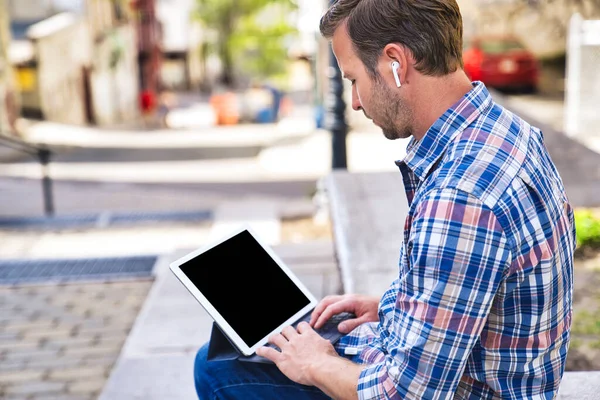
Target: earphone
395	66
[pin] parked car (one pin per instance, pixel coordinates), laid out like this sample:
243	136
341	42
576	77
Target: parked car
502	63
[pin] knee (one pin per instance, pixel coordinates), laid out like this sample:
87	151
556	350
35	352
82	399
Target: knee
202	378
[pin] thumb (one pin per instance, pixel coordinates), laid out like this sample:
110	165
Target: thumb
350	324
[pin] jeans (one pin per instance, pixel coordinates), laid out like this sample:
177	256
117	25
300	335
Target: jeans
247	381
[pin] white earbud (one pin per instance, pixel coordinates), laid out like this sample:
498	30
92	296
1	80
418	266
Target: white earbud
395	66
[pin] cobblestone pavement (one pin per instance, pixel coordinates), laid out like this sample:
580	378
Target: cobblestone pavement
60	341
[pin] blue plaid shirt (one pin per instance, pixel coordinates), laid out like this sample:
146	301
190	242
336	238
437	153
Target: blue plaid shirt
481	308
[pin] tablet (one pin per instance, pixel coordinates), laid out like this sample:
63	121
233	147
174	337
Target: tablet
245	287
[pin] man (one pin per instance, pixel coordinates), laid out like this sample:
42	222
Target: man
481	308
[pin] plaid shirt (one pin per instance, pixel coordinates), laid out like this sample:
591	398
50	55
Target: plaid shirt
482	305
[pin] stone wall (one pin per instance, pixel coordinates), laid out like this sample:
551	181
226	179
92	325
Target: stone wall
61	55
114	78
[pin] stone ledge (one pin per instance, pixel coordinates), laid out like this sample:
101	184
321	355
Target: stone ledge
580	386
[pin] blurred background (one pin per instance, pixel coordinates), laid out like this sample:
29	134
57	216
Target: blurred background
131	130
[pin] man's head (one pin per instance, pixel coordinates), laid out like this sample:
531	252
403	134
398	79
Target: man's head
423	36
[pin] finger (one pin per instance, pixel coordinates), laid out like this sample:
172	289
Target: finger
330	312
269	353
323	304
304	327
350	324
289	332
278	340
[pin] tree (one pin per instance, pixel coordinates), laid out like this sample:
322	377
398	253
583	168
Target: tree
262	48
240	26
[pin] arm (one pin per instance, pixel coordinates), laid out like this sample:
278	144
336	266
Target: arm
337	377
443	298
456	257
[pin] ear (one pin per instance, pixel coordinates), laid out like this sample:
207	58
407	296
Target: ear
394	52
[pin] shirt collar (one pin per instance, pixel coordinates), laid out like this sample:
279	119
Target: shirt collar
422	155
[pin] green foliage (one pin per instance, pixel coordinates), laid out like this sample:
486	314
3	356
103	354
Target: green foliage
261	47
586	323
587	226
586	329
215	11
248	35
576	343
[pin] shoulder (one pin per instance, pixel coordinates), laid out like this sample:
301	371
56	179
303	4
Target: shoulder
486	157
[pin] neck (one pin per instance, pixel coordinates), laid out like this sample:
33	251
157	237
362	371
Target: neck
434	96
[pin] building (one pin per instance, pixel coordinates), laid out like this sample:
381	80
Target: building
8	95
75	60
114	76
181	45
149	55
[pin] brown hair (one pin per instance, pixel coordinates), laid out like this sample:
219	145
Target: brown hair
431	29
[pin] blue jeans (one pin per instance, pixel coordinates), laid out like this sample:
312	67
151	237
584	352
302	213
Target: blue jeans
247	381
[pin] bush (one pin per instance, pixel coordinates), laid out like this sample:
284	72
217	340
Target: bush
587	226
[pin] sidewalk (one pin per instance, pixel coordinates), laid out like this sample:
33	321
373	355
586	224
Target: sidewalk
62	340
61	135
551	112
246	154
290	150
11	155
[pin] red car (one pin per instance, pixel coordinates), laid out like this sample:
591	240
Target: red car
502	63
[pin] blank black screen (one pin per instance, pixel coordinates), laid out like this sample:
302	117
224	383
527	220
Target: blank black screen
246	286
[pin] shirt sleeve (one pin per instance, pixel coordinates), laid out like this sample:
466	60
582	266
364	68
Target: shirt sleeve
456	256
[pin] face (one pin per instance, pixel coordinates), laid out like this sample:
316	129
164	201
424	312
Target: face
379	101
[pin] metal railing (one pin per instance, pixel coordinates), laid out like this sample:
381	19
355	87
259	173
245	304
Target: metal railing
43	155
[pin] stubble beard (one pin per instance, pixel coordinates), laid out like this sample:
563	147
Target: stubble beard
396	116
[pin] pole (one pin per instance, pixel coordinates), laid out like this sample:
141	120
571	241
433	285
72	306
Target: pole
336	113
44	156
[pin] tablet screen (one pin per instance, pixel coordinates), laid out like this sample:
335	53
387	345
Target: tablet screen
246	286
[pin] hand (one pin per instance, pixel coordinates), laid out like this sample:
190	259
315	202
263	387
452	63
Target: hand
364	307
301	351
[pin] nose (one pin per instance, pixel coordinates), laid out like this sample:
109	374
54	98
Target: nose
356	105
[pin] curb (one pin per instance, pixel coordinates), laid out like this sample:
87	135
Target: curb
8	155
